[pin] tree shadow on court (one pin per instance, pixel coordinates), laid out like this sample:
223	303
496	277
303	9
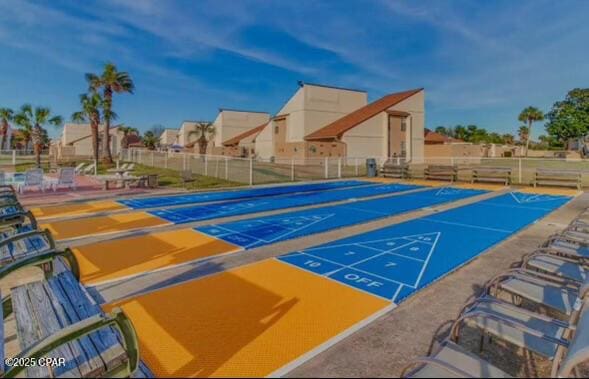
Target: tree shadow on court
212	326
141	254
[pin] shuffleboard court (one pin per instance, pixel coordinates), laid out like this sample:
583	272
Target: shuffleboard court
67	229
284	310
112	260
195	198
207	212
63	210
394	262
256	232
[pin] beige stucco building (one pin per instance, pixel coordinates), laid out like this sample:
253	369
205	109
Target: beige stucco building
184	136
321	121
168	137
231	123
76	141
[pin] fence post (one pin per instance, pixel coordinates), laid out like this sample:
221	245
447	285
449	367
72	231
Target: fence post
326	168
206	166
292	171
226	168
520	170
357	167
140	155
166	159
183	161
13	157
251	171
339	168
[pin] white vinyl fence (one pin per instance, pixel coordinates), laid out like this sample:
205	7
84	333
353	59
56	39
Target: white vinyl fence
20	156
258	171
250	171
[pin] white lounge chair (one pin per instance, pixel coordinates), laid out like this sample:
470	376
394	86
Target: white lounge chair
89	170
33	178
66	178
79	168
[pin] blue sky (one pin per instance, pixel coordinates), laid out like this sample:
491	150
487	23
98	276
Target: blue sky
480	62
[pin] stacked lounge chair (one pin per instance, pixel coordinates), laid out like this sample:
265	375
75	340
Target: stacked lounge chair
542	306
56	318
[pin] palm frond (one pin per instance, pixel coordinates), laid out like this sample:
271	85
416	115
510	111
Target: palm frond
79	117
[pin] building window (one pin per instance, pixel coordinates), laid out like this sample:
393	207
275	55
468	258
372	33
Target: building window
276	130
403	125
313	149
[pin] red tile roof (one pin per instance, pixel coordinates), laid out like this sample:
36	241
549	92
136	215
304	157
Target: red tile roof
342	125
235	140
433	137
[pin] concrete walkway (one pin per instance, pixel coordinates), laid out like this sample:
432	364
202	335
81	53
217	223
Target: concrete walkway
384	347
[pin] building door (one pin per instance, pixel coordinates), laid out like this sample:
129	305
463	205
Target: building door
397	136
279	137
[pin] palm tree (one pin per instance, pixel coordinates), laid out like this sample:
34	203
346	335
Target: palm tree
33	120
523	132
126	130
508	139
530	115
150	140
6	115
110	81
90	112
207	131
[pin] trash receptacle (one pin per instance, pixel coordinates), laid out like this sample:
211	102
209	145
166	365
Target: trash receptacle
371	168
152	181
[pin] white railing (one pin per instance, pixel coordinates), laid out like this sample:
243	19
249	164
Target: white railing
248	170
15	156
258	171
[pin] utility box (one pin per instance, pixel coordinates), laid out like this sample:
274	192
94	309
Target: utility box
371	170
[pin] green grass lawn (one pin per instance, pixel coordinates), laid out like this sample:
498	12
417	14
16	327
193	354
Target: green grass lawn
166	177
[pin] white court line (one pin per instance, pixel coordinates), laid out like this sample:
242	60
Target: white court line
355	269
332	279
469	226
330	342
431	252
372	241
269	241
406	257
383	252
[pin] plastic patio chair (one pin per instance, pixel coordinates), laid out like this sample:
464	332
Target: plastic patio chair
451	360
559	294
33	178
550	264
66	177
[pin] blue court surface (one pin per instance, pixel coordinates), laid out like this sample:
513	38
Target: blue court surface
195	198
234	208
256	232
396	261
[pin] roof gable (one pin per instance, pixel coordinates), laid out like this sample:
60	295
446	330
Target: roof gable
235	140
349	121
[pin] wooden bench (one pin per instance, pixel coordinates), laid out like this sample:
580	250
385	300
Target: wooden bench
393	170
12	213
57	319
33	248
492	174
557	177
441	172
